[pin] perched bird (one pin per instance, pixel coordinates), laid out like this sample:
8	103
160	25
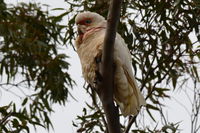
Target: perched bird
89	45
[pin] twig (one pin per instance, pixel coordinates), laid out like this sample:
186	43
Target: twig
5	118
148	72
132	120
153	88
5	89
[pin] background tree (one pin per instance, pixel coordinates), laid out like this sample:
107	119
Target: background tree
163	38
29	41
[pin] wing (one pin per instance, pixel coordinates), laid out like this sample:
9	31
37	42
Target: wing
127	93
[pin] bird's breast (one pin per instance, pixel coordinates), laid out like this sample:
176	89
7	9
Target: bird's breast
88	50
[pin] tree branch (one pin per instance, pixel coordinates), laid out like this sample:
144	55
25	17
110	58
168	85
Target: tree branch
132	120
105	87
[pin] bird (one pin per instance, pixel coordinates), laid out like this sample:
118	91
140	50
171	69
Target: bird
91	28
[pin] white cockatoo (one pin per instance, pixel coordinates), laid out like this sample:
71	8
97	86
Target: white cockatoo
89	45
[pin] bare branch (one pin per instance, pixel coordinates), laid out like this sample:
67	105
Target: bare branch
132	120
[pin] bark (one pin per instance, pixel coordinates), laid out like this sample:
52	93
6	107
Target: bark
105	86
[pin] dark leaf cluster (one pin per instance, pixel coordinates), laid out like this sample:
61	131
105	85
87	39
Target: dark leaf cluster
29	41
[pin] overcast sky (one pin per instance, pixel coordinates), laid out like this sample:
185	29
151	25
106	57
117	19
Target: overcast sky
63	116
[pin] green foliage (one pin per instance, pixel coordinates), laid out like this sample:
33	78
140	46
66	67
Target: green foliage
170	128
158	33
91	121
29	39
16	121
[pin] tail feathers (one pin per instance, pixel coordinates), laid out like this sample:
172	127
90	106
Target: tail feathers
129	97
130	106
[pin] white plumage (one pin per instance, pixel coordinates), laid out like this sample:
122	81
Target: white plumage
89	44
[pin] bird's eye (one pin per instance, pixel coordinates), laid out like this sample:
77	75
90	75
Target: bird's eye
88	21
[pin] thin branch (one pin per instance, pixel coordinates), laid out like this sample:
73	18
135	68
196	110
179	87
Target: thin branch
5	118
132	120
93	95
162	115
182	104
148	72
161	79
5	89
9	86
105	86
197	129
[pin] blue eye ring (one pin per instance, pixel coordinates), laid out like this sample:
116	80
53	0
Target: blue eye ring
88	21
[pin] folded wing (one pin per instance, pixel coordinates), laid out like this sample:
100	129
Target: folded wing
127	93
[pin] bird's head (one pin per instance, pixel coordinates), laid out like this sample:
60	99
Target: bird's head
87	20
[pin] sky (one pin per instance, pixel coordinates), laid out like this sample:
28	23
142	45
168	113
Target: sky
63	115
